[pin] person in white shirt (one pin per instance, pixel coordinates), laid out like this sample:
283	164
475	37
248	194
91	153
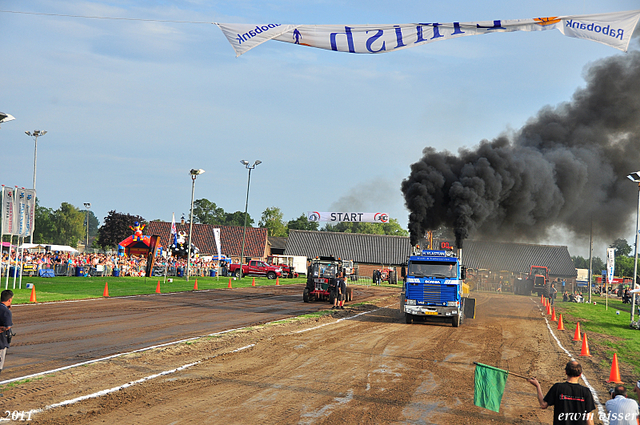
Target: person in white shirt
623	410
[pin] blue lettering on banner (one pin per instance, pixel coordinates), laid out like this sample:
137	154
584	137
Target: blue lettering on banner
496	26
399	38
593	27
252	33
373	39
334	44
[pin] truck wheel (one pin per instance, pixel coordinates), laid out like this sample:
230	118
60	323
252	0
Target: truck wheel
271	275
456	320
305	295
408	318
237	273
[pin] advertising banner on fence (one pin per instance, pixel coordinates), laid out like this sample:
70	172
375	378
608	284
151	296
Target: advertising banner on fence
26	207
613	29
9	207
352	217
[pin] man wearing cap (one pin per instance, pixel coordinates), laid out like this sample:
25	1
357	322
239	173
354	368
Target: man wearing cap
623	410
6	297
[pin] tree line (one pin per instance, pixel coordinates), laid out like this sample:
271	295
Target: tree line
624	261
67	225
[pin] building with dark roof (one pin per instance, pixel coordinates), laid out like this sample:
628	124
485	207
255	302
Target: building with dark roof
277	244
519	257
256	245
492	263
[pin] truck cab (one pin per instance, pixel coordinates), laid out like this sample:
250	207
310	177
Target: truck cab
433	288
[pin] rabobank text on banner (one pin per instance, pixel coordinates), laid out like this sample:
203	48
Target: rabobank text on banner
613	29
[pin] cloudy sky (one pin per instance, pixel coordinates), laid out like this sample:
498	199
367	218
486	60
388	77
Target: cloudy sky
131	105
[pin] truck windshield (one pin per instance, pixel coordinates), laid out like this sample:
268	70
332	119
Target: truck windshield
327	271
432	269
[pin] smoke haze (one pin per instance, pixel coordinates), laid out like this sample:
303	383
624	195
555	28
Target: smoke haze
566	165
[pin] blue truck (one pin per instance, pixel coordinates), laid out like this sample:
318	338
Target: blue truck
433	288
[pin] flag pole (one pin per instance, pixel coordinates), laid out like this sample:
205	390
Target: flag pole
510	373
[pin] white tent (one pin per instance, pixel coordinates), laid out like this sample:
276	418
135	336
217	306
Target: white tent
52	248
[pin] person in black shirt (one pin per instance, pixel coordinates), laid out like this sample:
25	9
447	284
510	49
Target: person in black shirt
573	403
6	297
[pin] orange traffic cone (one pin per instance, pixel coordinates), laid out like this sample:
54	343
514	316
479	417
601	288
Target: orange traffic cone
33	294
195	285
277	281
105	293
576	336
553	316
541	299
560	324
229	284
585	347
614	376
158	288
549	309
253	282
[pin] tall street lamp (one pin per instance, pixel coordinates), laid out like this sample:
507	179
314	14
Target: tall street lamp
35	135
194	173
87	205
246	206
635	177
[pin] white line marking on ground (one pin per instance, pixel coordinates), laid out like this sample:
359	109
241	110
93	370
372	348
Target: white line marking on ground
340	320
129	384
601	413
102	359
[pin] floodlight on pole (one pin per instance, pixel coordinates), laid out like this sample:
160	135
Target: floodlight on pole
35	135
194	174
246	206
635	177
87	205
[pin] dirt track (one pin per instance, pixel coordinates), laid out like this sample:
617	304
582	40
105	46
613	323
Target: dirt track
370	368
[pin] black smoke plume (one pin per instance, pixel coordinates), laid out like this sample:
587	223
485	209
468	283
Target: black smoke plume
566	166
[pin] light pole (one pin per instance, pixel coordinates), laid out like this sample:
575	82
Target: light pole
35	135
246	206
635	177
87	205
194	173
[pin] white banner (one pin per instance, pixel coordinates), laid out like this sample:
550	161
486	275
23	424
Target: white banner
613	29
9	207
611	259
352	217
25	211
216	236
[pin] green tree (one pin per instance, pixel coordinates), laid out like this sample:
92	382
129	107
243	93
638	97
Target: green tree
116	228
237	219
391	228
93	223
302	223
44	228
272	219
207	212
69	224
621	246
624	266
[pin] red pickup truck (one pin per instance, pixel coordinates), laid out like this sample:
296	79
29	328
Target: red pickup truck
256	268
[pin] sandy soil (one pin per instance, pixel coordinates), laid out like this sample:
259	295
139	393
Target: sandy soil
361	365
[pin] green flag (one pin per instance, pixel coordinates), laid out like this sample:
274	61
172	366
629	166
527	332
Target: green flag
489	386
